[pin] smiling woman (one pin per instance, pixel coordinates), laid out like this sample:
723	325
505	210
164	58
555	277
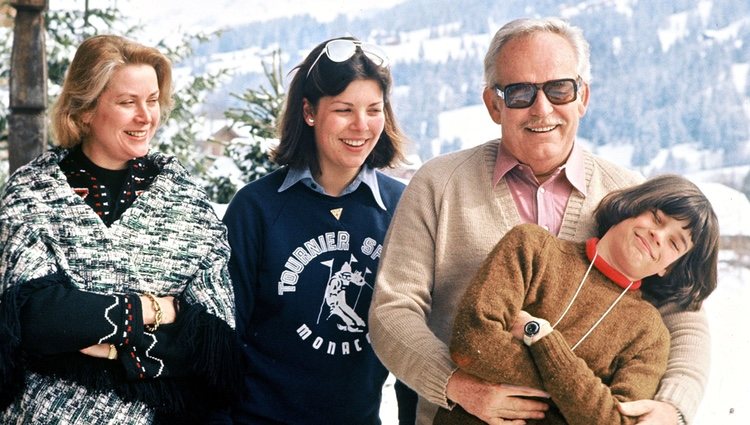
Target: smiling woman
115	300
347	128
306	242
125	119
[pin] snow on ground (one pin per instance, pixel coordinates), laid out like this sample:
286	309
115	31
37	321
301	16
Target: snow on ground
728	392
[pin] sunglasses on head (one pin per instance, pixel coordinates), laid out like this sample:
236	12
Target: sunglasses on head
342	50
523	95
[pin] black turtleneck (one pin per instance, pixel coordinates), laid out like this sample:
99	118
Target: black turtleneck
108	192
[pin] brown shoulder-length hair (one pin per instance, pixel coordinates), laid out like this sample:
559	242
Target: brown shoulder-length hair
693	276
88	75
328	78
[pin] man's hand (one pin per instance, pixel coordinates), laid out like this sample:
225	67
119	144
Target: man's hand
650	412
495	404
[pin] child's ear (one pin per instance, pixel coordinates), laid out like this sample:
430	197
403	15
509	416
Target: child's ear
663	272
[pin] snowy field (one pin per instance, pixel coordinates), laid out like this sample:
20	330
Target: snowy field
728	393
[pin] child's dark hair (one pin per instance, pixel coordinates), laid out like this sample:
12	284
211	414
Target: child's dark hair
693	277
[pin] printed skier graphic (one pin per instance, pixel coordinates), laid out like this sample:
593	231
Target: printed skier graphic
335	296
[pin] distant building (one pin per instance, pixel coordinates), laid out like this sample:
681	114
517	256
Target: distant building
217	141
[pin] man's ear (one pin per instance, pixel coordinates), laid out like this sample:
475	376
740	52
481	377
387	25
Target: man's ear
492	102
584	93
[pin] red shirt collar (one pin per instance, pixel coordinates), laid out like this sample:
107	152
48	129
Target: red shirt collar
606	269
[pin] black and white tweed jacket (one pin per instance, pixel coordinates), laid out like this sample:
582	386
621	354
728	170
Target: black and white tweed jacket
169	242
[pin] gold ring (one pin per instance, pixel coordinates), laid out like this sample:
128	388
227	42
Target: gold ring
112	352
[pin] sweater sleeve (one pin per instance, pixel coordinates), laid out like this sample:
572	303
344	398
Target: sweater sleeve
581	396
482	344
55	317
684	382
402	299
244	234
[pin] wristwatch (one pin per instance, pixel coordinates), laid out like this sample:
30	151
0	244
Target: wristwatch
530	329
535	330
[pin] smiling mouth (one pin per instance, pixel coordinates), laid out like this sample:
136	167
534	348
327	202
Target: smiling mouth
646	246
137	133
546	129
355	143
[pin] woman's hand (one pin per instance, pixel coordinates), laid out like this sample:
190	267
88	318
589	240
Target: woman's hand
168	315
101	351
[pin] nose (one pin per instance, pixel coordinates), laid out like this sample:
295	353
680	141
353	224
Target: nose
541	106
359	122
657	235
142	113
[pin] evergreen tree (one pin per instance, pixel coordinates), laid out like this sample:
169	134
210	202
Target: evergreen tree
259	111
180	134
66	29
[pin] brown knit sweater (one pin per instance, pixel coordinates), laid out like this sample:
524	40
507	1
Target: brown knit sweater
621	360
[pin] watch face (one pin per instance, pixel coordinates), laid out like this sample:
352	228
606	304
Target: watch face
531	328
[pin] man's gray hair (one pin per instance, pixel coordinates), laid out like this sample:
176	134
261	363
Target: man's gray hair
526	26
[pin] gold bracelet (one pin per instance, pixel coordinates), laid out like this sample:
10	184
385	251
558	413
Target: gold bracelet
112	352
158	315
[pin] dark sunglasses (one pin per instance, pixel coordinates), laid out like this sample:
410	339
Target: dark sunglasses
341	50
523	95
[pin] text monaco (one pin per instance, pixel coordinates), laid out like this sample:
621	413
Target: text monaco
345	347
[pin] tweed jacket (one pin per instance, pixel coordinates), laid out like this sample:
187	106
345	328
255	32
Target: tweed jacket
169	242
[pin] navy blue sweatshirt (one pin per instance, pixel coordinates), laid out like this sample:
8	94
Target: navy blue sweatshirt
303	281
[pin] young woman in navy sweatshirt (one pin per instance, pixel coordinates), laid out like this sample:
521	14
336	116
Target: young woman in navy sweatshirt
306	241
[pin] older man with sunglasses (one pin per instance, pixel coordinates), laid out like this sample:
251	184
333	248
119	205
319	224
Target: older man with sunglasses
459	205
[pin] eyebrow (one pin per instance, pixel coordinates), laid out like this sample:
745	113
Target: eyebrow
681	236
684	241
131	94
352	103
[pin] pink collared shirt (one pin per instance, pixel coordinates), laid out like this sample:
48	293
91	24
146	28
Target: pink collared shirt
541	203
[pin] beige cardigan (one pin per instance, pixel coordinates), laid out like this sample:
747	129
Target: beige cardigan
447	221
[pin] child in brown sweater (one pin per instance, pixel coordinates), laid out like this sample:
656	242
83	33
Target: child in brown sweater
579	319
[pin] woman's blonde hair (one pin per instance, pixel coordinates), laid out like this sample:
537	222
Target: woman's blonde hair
94	63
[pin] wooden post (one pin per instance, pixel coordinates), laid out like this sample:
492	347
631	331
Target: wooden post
27	124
